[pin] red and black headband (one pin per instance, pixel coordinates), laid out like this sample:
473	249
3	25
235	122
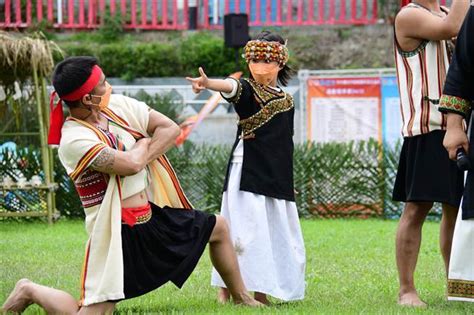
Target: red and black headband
404	3
56	118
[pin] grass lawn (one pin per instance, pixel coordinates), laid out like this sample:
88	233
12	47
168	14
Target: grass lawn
350	269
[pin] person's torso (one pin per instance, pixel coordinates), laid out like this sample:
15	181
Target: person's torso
92	185
266	128
421	74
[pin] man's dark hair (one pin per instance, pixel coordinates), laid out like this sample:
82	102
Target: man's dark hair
285	74
71	73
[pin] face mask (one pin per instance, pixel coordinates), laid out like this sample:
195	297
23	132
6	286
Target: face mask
264	73
104	99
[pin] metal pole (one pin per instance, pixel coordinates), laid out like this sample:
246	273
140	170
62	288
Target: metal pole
59	9
215	12
193	14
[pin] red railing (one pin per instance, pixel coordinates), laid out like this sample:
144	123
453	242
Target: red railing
176	14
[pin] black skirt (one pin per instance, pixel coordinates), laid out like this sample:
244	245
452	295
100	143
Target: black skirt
166	248
425	172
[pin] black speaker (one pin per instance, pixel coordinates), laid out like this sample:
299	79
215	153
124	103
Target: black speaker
236	30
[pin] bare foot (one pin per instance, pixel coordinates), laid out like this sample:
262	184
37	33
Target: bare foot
18	300
411	299
262	298
223	296
246	299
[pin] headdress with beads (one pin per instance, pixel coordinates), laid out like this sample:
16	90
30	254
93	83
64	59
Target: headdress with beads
268	51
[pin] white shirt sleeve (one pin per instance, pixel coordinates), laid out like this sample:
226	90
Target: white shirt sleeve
234	89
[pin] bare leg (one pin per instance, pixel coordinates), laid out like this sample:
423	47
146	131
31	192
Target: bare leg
53	301
224	259
262	298
448	222
223	296
408	247
99	308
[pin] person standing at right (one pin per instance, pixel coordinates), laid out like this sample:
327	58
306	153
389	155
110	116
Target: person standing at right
425	173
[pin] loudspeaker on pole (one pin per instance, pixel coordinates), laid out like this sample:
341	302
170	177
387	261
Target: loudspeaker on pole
236	30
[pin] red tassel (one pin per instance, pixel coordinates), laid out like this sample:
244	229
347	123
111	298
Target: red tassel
404	3
56	120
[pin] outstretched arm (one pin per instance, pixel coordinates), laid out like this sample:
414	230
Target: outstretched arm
203	83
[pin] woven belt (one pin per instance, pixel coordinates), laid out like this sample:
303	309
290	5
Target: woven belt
138	215
143	218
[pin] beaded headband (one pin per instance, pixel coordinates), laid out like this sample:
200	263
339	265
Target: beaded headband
268	51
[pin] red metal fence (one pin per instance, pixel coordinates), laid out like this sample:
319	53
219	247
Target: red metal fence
175	14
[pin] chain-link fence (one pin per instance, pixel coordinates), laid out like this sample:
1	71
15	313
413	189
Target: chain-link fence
331	180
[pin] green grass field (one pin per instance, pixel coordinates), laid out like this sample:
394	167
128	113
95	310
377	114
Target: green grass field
350	270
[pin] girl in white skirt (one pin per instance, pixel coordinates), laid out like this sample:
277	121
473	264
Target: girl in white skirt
258	199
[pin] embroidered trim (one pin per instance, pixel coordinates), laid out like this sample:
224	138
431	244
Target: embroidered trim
91	187
235	99
416	51
85	161
163	160
271	105
113	117
99	134
141	219
264	93
454	103
461	288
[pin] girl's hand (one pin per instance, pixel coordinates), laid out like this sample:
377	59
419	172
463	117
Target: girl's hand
199	84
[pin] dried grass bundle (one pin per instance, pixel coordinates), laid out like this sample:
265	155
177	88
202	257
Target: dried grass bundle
21	55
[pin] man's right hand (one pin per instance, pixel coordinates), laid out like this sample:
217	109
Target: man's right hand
143	142
454	139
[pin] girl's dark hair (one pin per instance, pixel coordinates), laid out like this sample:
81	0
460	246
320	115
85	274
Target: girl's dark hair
71	73
285	74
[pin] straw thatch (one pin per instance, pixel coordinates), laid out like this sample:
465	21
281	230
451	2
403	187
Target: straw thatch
25	63
21	55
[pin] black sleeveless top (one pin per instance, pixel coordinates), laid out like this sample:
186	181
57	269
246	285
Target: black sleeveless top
266	128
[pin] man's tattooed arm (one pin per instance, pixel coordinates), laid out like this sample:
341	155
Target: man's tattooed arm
104	162
123	163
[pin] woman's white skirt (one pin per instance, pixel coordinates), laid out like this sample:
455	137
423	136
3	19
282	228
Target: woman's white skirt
267	238
461	264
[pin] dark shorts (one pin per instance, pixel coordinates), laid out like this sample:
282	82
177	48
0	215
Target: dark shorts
166	248
425	172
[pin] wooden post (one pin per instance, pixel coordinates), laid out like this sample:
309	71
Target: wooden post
45	152
51	192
